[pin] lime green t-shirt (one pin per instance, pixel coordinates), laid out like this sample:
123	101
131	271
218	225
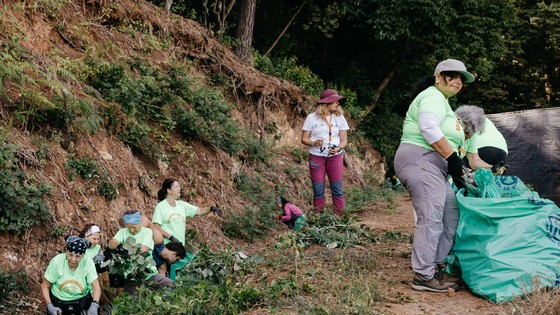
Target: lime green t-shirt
433	101
92	251
69	285
143	237
490	137
173	220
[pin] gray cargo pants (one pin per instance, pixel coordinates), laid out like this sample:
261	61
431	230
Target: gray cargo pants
423	173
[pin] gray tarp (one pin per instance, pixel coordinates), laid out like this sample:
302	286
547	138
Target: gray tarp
533	138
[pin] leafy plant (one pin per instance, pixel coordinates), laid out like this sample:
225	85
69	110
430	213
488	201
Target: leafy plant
17	191
135	265
250	225
12	284
87	168
107	190
329	230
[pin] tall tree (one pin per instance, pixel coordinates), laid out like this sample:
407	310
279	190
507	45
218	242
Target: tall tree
245	26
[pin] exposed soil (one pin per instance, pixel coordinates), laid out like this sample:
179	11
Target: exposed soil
396	271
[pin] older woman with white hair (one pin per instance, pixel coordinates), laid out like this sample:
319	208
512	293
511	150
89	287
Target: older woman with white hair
69	280
485	146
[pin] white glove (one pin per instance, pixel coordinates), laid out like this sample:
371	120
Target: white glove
53	310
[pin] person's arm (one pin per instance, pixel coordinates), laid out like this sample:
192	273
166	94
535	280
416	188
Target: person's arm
287	213
202	211
162	269
343	142
45	290
113	243
476	162
165	234
306	139
96	290
442	147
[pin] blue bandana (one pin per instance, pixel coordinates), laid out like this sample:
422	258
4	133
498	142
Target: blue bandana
132	218
76	245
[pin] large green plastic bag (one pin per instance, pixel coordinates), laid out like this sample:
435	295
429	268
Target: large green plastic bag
506	247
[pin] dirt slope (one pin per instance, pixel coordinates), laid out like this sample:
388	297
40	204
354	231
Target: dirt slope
78	29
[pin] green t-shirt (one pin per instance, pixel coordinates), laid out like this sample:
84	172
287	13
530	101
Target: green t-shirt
433	101
490	137
69	285
173	220
92	251
143	237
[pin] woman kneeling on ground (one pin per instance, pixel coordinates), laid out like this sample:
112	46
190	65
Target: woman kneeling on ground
68	279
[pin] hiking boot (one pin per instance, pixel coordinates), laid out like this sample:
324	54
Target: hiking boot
433	285
441	274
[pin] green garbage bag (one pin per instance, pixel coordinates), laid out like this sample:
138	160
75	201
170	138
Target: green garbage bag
177	266
508	247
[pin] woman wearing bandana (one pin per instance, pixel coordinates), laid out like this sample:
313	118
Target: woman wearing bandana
143	236
68	279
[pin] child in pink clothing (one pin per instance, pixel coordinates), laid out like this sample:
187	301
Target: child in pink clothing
293	216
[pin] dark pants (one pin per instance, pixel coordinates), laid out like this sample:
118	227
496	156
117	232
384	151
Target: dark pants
73	307
490	155
291	222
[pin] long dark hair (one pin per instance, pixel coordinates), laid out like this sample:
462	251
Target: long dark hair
423	84
283	201
162	193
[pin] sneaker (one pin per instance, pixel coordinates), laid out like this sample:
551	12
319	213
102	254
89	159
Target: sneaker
434	285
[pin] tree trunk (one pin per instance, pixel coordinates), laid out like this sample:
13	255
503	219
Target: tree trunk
245	28
168	4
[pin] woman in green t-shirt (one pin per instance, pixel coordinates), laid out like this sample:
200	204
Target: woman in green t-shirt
69	279
170	214
425	157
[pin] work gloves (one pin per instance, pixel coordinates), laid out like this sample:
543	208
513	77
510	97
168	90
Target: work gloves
455	169
120	250
500	168
93	308
454	165
217	211
53	310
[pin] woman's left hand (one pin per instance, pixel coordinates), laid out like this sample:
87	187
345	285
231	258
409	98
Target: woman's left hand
335	149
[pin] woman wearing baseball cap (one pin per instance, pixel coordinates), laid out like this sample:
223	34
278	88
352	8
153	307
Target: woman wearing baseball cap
325	131
425	157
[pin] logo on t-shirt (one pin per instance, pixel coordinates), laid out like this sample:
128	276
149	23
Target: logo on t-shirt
176	218
71	286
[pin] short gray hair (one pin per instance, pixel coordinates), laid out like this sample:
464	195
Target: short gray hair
472	118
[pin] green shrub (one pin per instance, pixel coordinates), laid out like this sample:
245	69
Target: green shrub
250	225
288	68
107	190
213	283
87	168
12	284
21	198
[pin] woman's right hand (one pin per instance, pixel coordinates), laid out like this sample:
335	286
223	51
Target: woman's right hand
318	143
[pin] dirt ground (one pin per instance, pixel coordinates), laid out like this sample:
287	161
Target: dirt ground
395	269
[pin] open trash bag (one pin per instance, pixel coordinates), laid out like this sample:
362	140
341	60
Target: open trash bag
509	245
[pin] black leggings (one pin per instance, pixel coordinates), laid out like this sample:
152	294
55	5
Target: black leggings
490	155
